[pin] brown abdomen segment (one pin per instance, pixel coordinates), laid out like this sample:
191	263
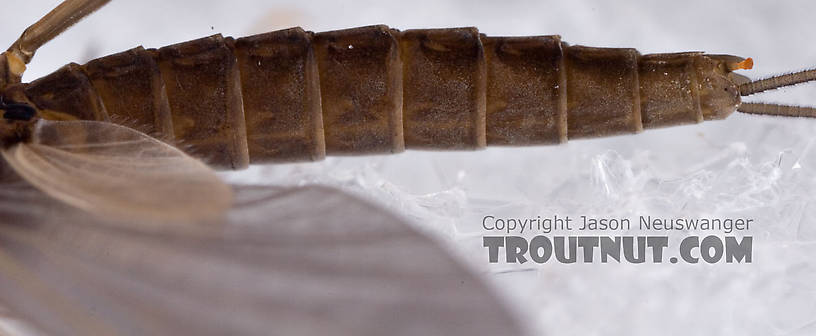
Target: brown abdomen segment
526	90
361	88
603	95
204	91
293	95
281	93
132	90
444	81
68	92
668	93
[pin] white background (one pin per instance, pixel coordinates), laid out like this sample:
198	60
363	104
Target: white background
758	167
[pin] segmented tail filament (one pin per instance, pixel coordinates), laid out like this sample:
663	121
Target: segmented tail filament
772	83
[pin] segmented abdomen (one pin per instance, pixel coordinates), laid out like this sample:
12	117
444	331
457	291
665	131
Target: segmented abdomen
294	95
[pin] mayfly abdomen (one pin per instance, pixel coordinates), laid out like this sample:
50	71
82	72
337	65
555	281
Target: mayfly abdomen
361	90
67	92
131	88
603	95
281	94
444	78
526	90
293	95
668	90
204	90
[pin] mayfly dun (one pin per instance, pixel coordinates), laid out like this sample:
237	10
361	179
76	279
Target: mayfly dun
293	95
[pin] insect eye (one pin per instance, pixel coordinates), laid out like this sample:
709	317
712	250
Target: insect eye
21	112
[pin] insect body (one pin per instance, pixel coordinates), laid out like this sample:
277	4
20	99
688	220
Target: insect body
294	95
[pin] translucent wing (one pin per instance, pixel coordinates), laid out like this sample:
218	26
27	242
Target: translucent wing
115	171
299	261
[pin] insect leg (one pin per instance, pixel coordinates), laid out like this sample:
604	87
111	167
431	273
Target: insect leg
52	24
